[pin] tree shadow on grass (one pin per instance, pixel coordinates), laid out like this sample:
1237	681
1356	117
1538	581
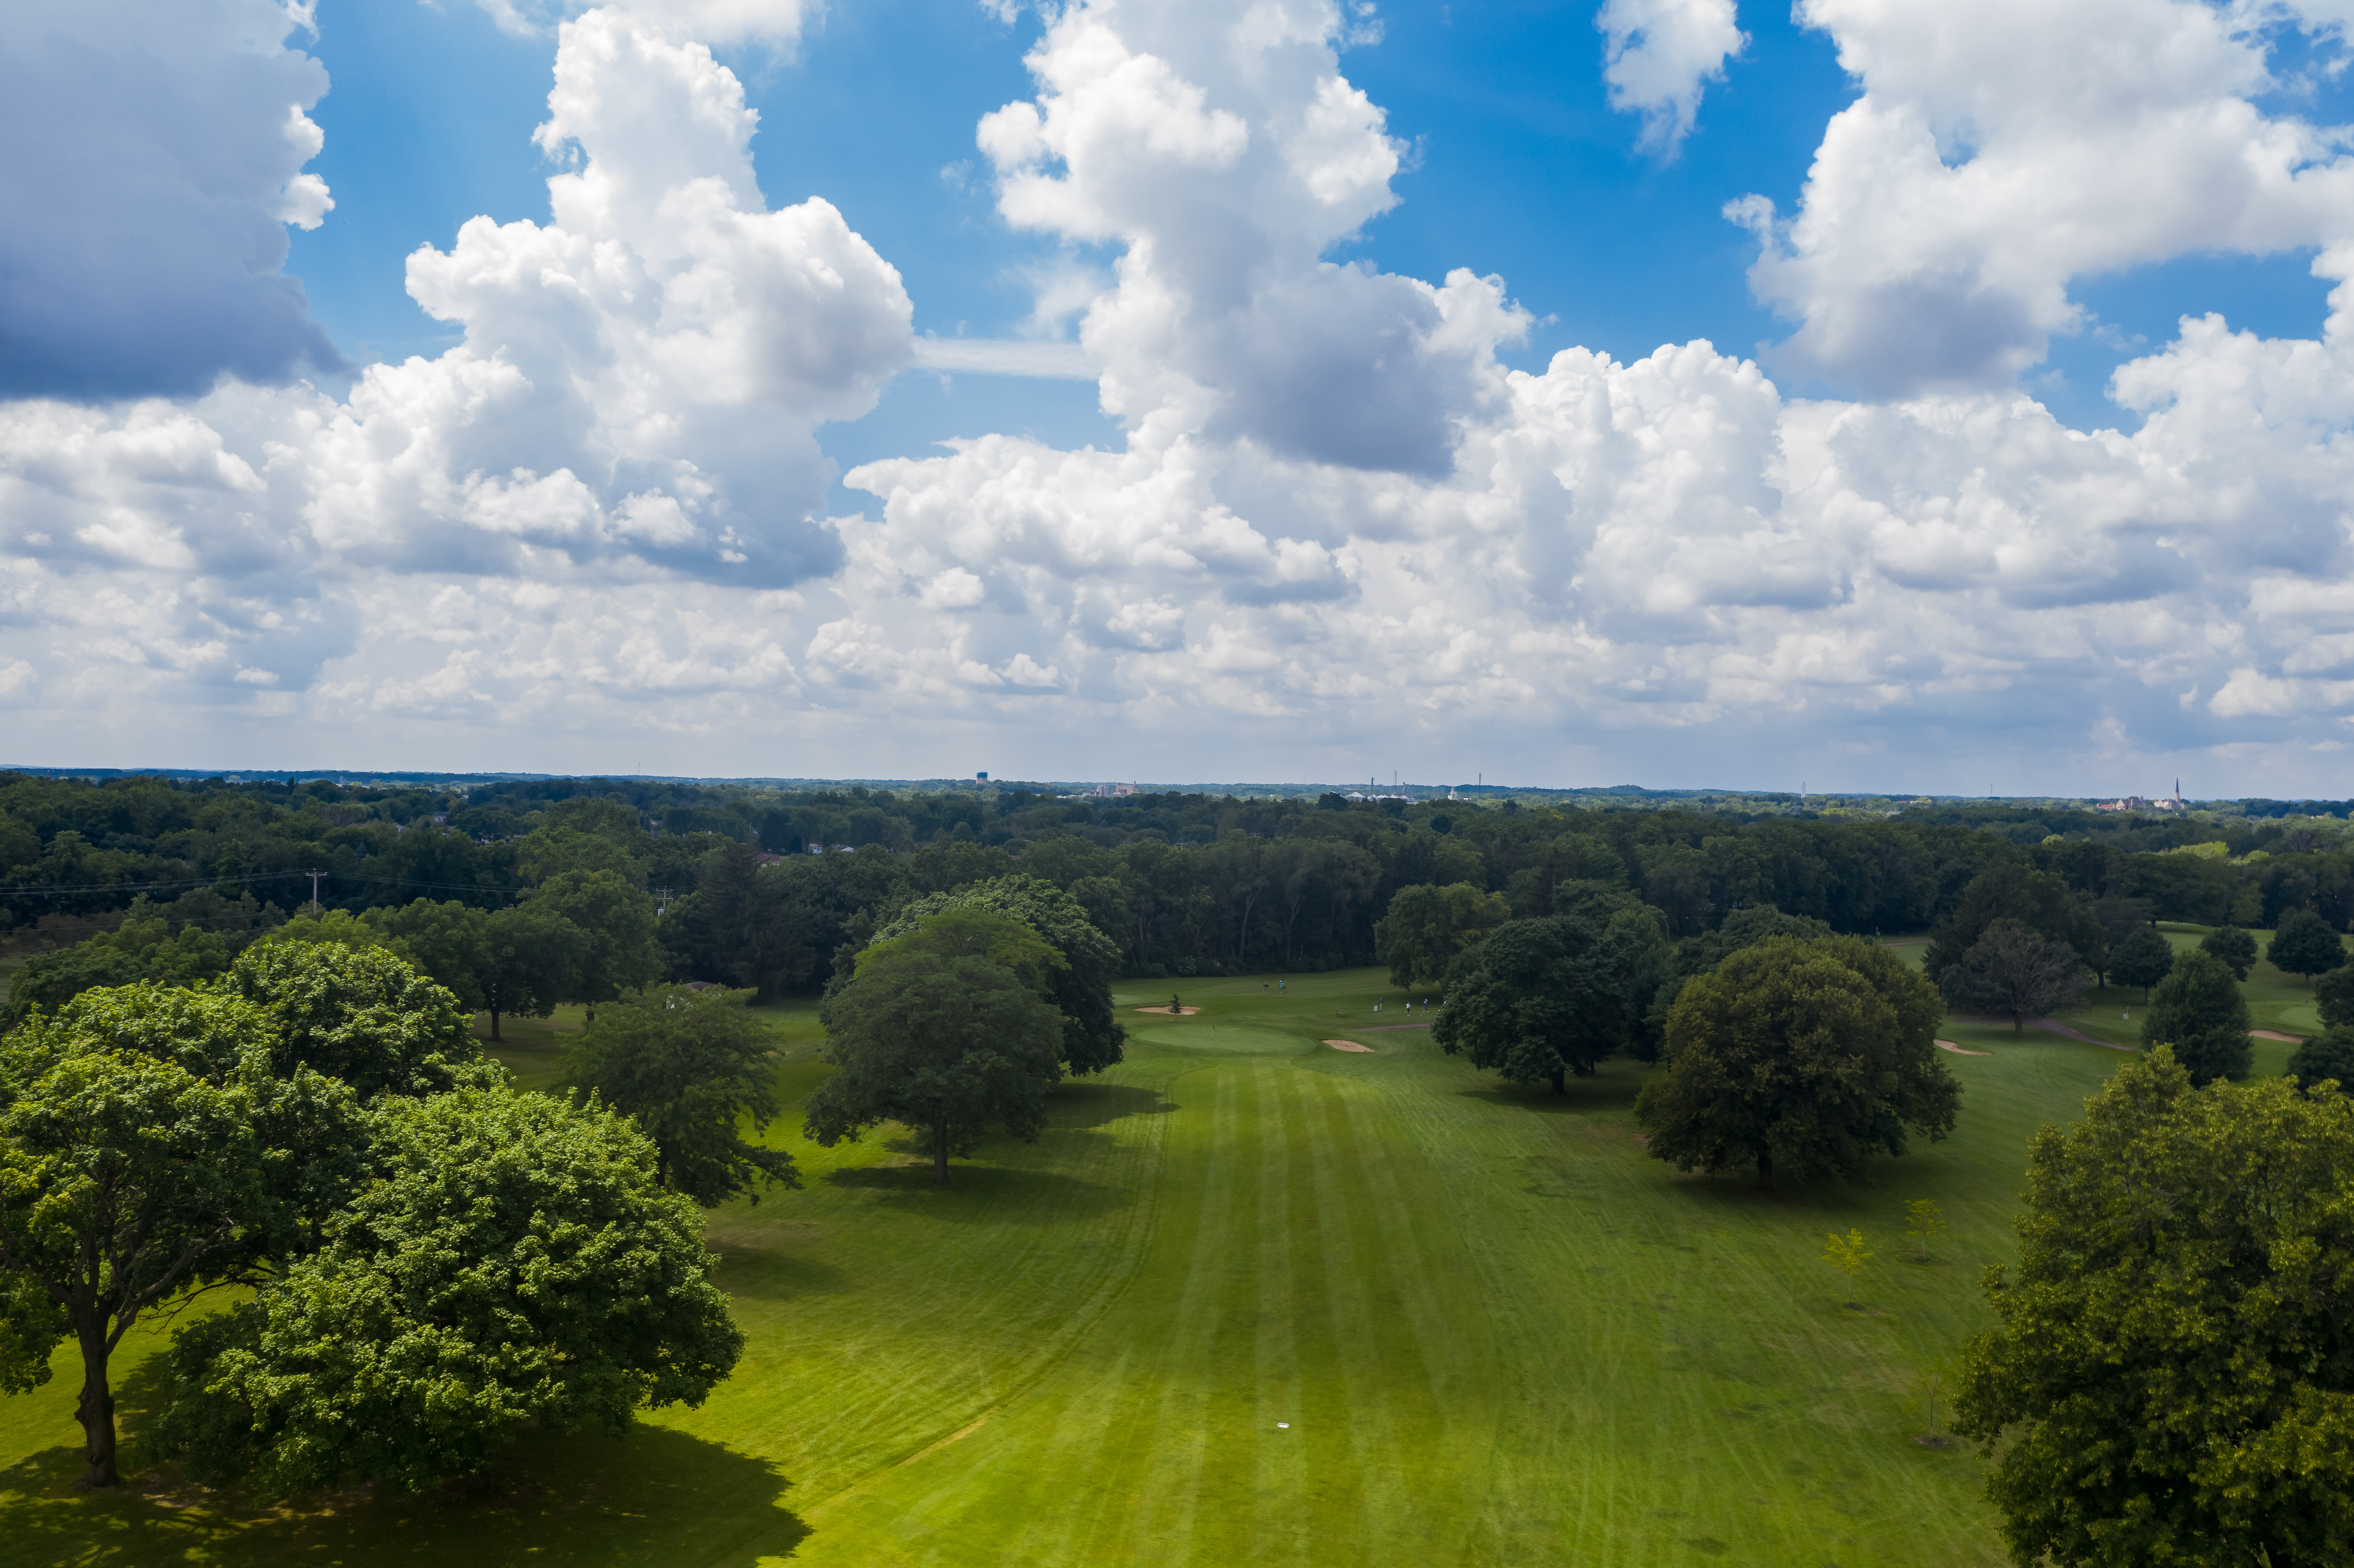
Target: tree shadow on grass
771	1273
1085	1105
1605	1091
979	1193
657	1496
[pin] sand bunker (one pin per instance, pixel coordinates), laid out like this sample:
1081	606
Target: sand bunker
2276	1034
1165	1011
1950	1045
1347	1046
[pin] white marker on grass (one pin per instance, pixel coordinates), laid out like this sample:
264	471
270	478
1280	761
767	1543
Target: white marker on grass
1284	1425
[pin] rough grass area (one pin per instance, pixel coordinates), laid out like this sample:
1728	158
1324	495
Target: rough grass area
1497	1330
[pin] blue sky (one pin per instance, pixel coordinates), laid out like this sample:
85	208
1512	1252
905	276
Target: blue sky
675	476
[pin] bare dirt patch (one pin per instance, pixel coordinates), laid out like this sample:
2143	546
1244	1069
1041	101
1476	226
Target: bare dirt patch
1347	1046
1950	1045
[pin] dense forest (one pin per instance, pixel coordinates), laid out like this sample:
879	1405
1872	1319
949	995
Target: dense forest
1182	884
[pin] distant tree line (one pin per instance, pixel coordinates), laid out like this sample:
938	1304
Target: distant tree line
1181	884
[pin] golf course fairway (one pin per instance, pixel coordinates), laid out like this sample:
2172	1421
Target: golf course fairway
1250	1300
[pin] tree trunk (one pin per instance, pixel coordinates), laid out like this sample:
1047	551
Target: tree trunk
1765	1172
1560	1083
494	1027
939	1156
2018	1023
96	1412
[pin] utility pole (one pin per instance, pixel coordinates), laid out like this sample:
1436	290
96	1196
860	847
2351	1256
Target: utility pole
661	901
314	876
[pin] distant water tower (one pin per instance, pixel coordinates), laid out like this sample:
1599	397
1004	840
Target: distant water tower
981	778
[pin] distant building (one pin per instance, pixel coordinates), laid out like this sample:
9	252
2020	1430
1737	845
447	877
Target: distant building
981	778
765	858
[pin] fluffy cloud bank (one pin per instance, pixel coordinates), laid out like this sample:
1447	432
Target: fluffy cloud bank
155	154
1336	512
2001	150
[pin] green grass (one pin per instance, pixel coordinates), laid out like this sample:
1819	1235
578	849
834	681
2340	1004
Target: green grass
1498	1330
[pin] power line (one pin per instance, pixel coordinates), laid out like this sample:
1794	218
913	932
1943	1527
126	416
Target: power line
254	876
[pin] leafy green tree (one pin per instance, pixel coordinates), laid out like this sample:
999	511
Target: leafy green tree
689	1066
1080	989
616	920
446	942
360	1014
1848	1255
513	1262
2199	1010
126	1178
565	850
2333	990
531	962
2328	1054
2143	958
2007	891
2010	969
2304	944
2168	1379
1427	926
1744	928
1807	1055
943	1030
326	928
2232	945
1540	999
146	947
1923	1220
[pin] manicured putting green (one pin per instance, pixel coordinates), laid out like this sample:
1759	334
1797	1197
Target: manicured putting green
1217	1039
1249	1300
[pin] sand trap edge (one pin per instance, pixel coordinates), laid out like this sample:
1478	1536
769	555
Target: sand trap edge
1347	1046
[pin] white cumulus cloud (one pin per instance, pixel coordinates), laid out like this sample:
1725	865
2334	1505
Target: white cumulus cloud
2001	150
1336	519
1660	55
155	155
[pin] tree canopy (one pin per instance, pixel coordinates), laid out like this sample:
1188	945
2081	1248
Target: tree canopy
2143	958
1427	926
2199	1010
133	1167
2012	970
688	1067
2232	945
2304	944
2040	901
360	1014
615	949
945	1030
2328	1054
2169	1377
1541	998
2333	994
1080	989
1802	1057
512	1262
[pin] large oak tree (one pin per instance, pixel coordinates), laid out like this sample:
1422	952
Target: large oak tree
945	1030
513	1261
1801	1056
689	1067
2171	1377
1540	999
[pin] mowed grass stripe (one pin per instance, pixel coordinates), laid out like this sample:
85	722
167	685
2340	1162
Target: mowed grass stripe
1503	1333
1238	1320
